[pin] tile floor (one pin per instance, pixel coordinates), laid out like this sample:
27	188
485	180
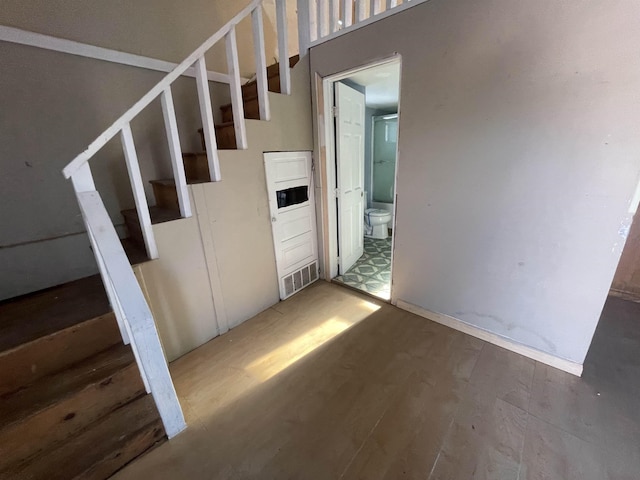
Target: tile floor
333	384
372	272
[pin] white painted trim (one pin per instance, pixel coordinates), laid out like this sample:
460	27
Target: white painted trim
326	138
135	177
173	139
304	27
62	45
262	82
503	342
141	326
283	47
206	114
237	104
152	94
358	23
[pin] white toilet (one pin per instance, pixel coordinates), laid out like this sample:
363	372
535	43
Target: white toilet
376	223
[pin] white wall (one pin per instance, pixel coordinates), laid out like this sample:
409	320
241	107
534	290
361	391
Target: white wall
52	105
518	158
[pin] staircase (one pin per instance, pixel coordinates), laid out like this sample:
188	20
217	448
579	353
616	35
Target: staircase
72	401
196	166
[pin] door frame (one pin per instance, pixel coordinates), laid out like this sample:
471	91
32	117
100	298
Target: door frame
325	151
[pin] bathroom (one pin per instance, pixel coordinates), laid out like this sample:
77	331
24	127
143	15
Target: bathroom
371	271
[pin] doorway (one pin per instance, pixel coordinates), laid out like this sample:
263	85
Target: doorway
361	135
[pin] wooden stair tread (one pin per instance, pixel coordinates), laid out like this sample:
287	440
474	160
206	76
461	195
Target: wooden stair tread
158	215
101	449
29	317
20	405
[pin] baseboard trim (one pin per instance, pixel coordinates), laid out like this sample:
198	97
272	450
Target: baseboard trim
451	322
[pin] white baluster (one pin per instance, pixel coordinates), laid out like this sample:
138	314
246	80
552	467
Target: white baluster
261	63
237	104
283	47
204	96
175	152
347	13
392	4
375	7
360	10
322	17
137	186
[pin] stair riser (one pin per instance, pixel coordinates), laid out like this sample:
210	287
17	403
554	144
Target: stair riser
251	110
166	196
196	168
27	363
135	232
100	450
54	424
251	89
226	137
133	446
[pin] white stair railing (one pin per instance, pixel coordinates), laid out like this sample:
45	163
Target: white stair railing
127	300
322	20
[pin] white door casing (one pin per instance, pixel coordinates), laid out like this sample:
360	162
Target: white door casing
350	129
293	226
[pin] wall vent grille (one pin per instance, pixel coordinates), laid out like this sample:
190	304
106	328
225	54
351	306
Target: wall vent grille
299	279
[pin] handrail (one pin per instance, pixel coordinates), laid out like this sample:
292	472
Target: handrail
130	114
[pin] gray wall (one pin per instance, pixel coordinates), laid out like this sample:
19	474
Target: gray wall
518	157
52	105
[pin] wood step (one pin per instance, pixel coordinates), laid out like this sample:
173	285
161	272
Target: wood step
60	405
196	166
100	450
26	363
250	89
165	193
251	110
29	317
158	215
225	136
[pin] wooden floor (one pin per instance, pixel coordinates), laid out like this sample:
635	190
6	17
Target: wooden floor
331	384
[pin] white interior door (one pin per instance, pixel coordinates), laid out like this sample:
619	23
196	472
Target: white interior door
293	219
350	174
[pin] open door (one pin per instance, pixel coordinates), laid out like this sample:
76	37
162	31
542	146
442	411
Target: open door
350	174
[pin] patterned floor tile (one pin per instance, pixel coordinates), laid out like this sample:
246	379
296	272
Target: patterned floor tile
372	271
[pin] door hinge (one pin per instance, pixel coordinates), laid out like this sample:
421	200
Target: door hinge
334	111
337	260
337	193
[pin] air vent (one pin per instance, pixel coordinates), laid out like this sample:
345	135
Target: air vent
299	279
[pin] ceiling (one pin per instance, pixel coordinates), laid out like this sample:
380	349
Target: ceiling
382	85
